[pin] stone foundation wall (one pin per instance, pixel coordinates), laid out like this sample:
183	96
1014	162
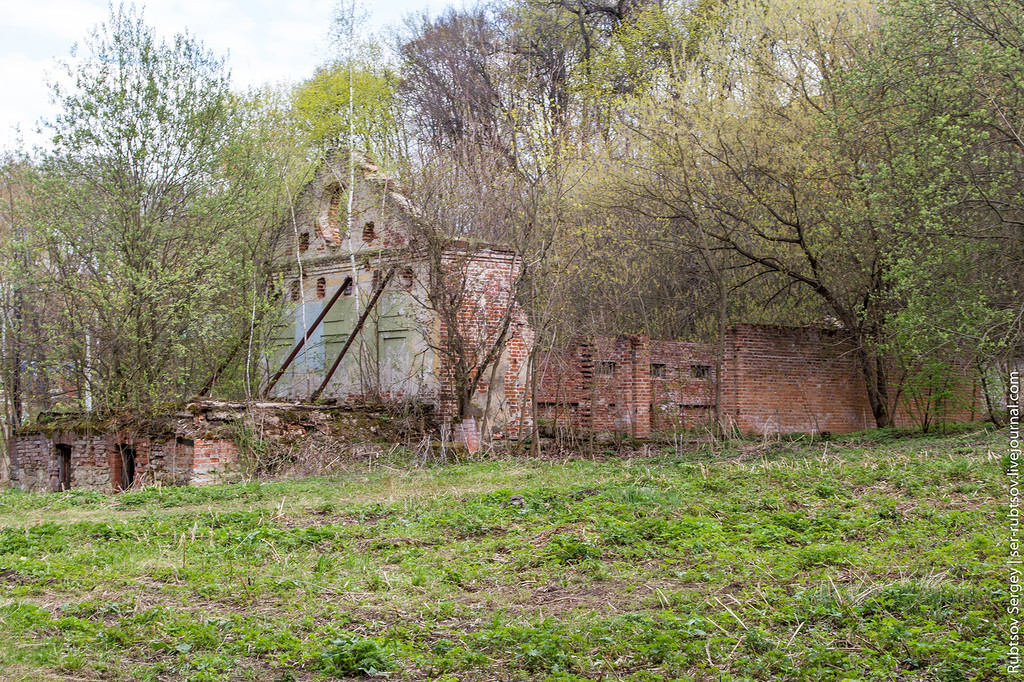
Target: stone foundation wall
98	461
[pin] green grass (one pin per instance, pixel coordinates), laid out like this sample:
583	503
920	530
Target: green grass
875	557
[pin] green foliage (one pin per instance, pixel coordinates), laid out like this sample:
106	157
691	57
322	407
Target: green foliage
352	655
321	106
636	569
149	216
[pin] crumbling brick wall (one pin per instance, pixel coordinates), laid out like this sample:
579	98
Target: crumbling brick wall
775	380
486	280
97	460
600	384
682	385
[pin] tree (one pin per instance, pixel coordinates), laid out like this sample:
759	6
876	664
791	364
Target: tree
152	207
321	106
469	213
946	81
755	154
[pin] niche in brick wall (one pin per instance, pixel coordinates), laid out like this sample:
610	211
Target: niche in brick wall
124	467
332	213
63	454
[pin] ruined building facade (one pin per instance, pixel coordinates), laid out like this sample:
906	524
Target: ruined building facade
365	281
774	380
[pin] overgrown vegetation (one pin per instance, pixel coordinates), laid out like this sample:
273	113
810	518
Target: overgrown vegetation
873	556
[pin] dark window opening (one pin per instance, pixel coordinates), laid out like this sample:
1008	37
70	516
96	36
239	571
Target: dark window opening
295	290
321	287
127	464
406	278
369	233
181	440
657	369
606	368
63	467
700	371
347	289
303	241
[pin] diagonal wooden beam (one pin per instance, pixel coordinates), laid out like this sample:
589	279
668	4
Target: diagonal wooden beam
355	332
309	333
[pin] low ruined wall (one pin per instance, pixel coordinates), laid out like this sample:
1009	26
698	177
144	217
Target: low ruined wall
786	380
34	462
775	380
96	461
215	461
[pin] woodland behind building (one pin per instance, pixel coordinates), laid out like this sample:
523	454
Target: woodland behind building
665	168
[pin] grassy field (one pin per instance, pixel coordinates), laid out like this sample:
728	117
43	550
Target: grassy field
874	557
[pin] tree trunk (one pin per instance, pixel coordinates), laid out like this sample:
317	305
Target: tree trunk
876	380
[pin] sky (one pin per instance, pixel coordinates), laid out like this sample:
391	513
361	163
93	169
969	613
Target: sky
266	41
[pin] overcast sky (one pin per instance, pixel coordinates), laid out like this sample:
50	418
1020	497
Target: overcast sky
267	41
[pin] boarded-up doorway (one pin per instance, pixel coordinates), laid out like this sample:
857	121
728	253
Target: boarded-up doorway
125	475
63	453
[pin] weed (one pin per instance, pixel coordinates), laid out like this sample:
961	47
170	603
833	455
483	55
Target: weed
880	561
350	655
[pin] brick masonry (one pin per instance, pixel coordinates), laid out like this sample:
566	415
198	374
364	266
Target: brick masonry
775	380
399	355
101	461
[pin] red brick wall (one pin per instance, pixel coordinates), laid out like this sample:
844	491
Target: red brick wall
96	460
213	458
808	380
681	397
488	278
785	380
775	380
601	384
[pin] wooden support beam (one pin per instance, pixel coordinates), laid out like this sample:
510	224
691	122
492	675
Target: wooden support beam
355	332
309	333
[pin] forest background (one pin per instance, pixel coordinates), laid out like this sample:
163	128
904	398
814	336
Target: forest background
665	168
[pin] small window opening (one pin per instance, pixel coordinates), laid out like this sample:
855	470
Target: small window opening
347	288
321	287
606	368
304	241
295	290
406	278
369	233
63	453
127	464
700	371
657	369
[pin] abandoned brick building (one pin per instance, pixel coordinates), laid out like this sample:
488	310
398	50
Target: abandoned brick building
774	380
360	323
68	452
